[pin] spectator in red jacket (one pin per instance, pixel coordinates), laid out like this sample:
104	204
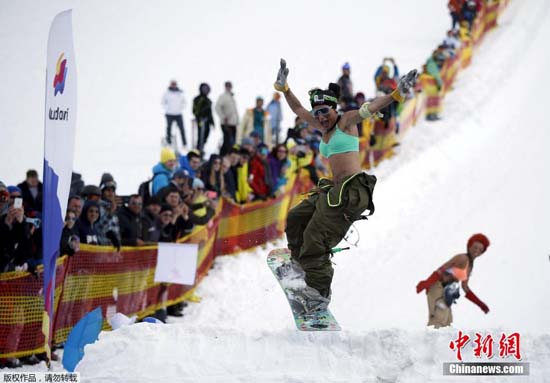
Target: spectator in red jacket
455	9
259	174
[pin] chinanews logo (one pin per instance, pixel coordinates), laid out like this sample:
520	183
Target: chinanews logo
59	87
60	75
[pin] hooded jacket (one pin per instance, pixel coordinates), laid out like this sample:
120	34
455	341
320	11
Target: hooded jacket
161	177
88	231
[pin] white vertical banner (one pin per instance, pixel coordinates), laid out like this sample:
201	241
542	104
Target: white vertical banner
59	134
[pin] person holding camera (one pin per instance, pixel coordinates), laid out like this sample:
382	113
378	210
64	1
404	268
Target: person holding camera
70	241
321	221
14	232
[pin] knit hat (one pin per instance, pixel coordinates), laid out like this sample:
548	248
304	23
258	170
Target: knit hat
90	190
2	185
197	183
167	154
247	141
107	181
481	238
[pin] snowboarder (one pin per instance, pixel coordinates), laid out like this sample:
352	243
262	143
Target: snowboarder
321	221
442	286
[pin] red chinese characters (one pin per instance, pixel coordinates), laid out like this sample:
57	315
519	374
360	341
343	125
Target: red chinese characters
483	346
509	346
459	343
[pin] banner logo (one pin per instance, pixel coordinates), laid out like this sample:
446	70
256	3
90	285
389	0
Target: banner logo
60	75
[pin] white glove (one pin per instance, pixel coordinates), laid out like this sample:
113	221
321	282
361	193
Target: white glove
281	84
406	83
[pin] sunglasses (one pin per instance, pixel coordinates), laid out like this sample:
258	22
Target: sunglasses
321	111
70	219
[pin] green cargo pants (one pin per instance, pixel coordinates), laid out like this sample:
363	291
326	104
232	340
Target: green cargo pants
320	222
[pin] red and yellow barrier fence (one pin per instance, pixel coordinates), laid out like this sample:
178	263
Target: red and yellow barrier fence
124	281
21	310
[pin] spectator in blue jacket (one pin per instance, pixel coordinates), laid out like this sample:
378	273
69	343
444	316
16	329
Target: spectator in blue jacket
191	162
276	113
162	172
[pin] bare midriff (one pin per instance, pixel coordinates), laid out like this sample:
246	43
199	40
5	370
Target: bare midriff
343	165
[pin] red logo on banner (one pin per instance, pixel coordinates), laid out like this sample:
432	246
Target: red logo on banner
60	75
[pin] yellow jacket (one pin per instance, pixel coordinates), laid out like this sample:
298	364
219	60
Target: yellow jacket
243	188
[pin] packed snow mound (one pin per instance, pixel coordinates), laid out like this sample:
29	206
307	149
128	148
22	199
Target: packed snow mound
170	353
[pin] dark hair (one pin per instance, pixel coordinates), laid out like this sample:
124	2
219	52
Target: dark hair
32	173
193	153
74	196
276	149
334	88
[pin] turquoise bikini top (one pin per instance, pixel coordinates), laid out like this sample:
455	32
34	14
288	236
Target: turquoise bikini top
339	142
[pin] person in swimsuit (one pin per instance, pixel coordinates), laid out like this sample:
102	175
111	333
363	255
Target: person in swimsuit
439	286
321	221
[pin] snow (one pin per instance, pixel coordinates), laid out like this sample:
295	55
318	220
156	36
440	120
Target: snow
482	168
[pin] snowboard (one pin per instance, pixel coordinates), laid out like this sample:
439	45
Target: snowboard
278	261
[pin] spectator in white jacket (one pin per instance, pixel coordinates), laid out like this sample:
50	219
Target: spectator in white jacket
173	103
226	108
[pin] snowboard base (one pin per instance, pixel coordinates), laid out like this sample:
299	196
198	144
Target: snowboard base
322	320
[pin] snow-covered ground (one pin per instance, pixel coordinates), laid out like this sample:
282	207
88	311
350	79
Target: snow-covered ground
482	168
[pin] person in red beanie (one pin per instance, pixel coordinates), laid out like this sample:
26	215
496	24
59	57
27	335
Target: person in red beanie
442	286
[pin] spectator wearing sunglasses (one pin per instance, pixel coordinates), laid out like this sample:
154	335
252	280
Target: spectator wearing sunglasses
70	240
321	221
278	165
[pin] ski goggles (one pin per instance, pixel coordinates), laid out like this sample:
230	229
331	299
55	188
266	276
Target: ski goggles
321	111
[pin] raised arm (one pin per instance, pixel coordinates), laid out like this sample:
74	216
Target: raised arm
369	109
281	85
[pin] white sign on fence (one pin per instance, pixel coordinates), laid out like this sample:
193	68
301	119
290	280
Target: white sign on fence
177	263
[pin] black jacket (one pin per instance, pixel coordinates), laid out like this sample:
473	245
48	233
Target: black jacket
132	227
14	244
30	202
